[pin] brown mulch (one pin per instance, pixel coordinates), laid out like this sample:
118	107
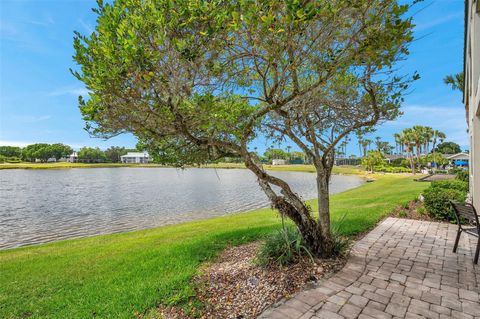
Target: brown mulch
235	287
412	210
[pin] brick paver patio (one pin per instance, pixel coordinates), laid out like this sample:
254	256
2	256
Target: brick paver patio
402	269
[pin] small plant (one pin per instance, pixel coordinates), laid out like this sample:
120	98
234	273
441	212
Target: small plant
421	210
402	214
283	247
341	244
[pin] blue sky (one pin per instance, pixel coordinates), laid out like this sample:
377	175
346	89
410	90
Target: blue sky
38	95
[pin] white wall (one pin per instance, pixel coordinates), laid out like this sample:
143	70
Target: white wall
472	95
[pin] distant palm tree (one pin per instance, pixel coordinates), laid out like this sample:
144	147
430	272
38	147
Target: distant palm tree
440	136
366	146
359	141
427	135
437	136
407	138
398	143
418	135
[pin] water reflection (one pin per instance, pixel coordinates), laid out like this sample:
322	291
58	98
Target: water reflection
38	206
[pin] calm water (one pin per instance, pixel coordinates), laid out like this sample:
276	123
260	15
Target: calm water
38	206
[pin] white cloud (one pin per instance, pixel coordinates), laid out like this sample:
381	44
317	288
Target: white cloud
86	26
32	118
435	22
69	91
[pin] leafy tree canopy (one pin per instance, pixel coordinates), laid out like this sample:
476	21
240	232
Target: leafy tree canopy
199	80
10	151
43	151
448	148
275	153
91	154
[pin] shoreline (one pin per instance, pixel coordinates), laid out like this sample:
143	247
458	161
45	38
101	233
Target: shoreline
345	170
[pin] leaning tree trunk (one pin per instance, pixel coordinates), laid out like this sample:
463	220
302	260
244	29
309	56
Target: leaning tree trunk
290	205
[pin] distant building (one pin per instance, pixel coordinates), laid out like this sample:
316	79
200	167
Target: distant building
279	161
471	92
460	159
392	157
135	158
72	158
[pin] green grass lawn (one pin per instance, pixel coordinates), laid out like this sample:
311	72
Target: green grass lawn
121	275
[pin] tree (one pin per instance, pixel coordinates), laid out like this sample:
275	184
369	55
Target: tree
398	143
455	81
113	153
36	151
382	146
58	151
10	151
433	158
44	152
275	153
448	148
436	136
91	155
407	139
199	80
365	145
372	159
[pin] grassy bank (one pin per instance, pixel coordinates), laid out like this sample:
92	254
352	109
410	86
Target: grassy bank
62	165
121	275
65	165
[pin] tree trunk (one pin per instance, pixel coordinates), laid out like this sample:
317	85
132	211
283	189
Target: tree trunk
323	180
291	205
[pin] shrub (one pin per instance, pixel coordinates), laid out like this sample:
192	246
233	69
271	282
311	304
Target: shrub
437	202
13	159
455	184
282	247
462	176
2	159
391	169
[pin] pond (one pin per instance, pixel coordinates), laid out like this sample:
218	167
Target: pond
38	206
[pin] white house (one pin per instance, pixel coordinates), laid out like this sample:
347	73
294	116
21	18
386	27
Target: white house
459	159
278	161
135	158
72	158
471	93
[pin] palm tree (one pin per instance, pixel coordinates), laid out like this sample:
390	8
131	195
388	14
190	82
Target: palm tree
418	137
366	145
398	143
378	143
440	136
359	140
407	138
437	136
427	135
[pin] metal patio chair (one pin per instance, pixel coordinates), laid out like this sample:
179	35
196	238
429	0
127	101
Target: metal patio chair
467	220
